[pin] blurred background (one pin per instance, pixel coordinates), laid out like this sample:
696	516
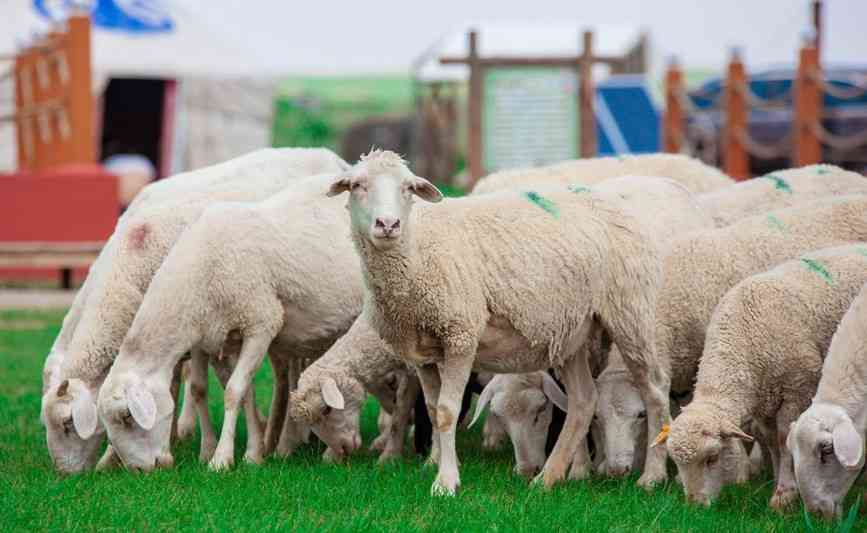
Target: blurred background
100	97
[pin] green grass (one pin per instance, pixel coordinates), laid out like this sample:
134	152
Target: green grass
302	493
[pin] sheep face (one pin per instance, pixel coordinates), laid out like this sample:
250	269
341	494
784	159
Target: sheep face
526	417
828	453
138	418
622	419
332	411
381	188
523	404
706	450
72	428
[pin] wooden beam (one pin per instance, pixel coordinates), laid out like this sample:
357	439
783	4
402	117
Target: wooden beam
586	95
737	160
558	61
81	114
48	254
474	111
806	148
673	119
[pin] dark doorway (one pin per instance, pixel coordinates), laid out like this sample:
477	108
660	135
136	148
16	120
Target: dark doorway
133	118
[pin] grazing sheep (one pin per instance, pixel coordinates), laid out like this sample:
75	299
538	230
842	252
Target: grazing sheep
698	270
260	274
781	189
507	282
827	441
523	405
689	172
332	390
762	361
115	289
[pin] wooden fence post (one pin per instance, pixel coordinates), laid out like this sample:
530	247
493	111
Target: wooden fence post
80	96
474	111
806	148
586	93
673	119
737	161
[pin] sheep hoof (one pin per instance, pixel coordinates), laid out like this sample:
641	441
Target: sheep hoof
444	487
650	480
186	430
254	457
388	457
378	443
579	472
430	462
783	499
221	462
206	453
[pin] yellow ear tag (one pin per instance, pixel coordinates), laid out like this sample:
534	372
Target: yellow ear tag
662	437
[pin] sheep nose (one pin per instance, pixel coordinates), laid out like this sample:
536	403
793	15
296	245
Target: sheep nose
388	225
618	470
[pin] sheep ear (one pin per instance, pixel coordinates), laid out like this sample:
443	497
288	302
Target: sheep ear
339	186
84	415
662	437
142	406
485	398
848	444
330	393
426	190
732	431
554	392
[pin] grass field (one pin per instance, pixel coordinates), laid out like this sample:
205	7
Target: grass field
301	493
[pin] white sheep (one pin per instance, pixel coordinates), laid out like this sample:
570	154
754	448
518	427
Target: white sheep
762	360
668	210
115	289
507	282
827	441
780	189
689	172
331	392
698	269
259	273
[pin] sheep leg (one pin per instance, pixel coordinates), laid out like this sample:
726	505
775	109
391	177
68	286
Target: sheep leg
383	423
174	388
581	394
429	378
108	461
493	432
252	353
294	433
255	431
454	376
786	491
634	337
406	392
581	463
187	418
279	400
197	385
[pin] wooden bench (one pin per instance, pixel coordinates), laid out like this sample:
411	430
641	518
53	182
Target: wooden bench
64	255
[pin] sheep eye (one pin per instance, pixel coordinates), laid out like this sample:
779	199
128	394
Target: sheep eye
127	418
711	460
67	426
356	186
326	411
642	414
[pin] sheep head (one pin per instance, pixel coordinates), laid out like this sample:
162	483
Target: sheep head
828	452
381	188
705	445
331	406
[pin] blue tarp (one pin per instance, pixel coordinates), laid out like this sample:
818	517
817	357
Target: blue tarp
626	119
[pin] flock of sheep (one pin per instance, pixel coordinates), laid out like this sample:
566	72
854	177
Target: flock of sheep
651	286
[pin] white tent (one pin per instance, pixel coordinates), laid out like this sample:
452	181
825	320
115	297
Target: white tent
225	80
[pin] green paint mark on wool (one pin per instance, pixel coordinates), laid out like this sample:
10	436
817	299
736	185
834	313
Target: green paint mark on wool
819	269
779	182
579	188
861	250
821	170
776	223
544	203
